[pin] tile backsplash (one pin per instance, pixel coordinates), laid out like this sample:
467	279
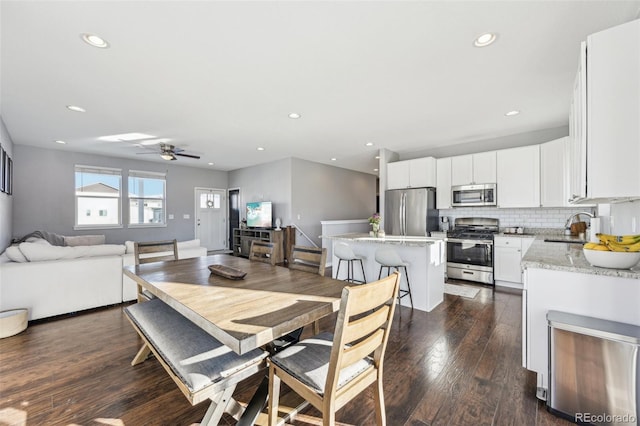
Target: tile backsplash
525	217
619	219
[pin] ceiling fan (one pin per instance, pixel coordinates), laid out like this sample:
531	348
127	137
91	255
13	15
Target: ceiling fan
170	152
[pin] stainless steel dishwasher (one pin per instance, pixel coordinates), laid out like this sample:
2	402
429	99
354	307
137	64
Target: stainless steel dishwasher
594	369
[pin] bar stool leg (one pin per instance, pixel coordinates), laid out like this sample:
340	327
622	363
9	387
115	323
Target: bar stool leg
364	278
406	275
338	270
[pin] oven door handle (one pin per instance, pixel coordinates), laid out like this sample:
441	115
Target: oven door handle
469	241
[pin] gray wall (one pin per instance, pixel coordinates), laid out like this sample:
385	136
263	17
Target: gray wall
321	192
44	193
311	191
6	201
265	182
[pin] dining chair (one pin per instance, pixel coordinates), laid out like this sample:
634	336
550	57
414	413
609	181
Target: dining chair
329	370
153	251
263	251
309	259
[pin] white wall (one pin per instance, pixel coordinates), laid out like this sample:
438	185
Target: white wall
6	201
623	218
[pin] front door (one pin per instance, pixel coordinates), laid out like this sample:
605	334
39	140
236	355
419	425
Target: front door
211	218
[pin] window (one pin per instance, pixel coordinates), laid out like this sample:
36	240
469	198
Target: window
147	198
97	197
209	201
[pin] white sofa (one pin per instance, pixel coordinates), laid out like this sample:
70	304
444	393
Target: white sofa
64	285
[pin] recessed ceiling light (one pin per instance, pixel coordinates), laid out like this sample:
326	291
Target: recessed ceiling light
485	40
375	170
76	108
334	159
260	148
377	157
294	115
512	113
368	144
94	40
211	164
61	142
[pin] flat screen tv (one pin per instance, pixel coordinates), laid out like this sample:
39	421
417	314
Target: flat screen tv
259	214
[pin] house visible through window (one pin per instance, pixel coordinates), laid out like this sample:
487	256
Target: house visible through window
97	197
147	198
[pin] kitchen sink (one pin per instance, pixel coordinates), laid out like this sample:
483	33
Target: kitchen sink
563	240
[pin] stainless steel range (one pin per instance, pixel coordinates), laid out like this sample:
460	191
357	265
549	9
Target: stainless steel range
470	249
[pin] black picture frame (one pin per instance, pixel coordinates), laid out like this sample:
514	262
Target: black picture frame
3	170
9	173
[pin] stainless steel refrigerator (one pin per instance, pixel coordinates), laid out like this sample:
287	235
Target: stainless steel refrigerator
410	212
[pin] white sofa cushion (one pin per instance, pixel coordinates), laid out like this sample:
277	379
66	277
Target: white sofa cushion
35	252
14	254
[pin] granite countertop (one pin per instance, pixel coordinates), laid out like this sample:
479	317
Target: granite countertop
387	239
568	257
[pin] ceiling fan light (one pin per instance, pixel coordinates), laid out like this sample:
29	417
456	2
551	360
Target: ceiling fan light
167	156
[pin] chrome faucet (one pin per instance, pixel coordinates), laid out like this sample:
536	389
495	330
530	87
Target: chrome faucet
567	226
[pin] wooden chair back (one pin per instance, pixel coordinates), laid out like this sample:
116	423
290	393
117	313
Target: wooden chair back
309	259
263	251
361	336
362	327
143	251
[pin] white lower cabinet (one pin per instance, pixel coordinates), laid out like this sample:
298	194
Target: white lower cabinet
508	254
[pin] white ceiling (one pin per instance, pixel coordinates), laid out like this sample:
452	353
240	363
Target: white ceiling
219	78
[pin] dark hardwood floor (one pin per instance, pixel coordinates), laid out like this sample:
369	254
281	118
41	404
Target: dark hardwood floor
457	365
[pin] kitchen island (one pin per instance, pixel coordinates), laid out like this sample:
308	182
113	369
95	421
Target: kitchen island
425	256
558	277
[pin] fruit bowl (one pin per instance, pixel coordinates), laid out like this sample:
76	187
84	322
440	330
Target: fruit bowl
612	259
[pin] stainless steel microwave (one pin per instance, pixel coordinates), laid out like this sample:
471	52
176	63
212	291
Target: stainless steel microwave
473	195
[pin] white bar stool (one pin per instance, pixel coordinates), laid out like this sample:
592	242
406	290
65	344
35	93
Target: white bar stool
389	258
344	253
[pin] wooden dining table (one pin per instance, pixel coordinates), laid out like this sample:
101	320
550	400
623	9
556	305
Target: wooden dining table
244	314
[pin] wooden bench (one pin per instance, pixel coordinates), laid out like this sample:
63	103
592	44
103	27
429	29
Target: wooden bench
201	366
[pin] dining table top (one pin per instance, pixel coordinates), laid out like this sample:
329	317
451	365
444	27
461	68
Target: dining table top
244	314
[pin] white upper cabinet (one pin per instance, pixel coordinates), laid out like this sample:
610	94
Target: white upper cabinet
519	177
473	168
554	173
611	99
443	183
416	173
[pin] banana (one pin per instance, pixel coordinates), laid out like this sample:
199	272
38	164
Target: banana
596	246
623	247
619	239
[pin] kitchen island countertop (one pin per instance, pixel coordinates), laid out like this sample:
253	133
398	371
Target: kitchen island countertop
387	239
